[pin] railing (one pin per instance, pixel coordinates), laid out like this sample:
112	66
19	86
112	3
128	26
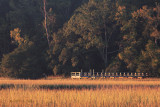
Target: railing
105	75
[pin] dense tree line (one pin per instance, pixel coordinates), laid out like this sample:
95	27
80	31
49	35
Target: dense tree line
114	35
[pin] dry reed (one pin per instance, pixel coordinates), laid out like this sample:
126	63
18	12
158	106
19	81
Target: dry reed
122	93
114	97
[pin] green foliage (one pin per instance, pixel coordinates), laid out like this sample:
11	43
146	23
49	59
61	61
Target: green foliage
115	35
89	32
140	41
150	59
24	62
133	5
20	26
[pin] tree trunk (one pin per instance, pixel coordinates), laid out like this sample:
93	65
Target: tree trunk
45	22
106	47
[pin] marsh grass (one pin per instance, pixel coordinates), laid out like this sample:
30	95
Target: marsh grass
79	93
114	97
84	81
76	87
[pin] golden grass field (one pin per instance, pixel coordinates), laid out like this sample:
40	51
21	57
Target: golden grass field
80	93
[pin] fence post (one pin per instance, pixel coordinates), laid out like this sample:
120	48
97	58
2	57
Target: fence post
109	74
116	74
93	73
120	74
97	74
124	74
105	74
146	74
81	73
135	74
102	73
142	74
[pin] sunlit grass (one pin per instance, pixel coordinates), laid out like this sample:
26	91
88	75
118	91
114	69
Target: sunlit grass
85	81
81	98
80	93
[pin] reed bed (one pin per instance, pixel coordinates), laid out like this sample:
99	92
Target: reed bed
80	93
77	84
114	97
84	81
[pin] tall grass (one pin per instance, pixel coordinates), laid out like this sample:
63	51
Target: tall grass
80	93
84	81
114	97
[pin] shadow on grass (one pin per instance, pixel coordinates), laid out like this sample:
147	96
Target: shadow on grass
72	87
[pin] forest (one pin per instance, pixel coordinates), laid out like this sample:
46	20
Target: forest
55	37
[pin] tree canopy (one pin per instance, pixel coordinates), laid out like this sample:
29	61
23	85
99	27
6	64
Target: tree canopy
113	35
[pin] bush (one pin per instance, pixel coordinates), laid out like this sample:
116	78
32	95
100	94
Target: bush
26	61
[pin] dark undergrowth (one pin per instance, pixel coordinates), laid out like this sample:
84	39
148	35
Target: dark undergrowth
72	87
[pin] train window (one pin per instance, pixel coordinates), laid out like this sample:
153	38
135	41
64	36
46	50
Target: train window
73	74
77	74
